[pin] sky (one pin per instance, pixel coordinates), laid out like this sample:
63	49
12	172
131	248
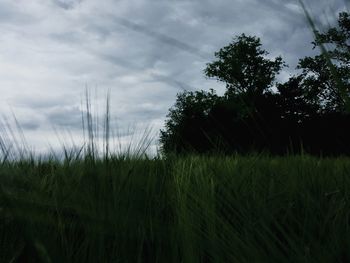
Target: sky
143	52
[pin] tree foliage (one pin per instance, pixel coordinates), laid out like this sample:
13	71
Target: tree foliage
306	113
327	76
188	121
243	66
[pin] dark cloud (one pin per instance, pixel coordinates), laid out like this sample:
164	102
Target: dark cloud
69	117
163	38
67	4
42	103
10	14
173	82
143	51
29	125
142	112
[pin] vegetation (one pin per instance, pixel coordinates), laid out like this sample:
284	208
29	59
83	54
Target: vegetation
93	207
191	209
243	67
307	113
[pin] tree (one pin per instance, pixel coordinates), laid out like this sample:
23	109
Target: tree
243	66
324	84
327	76
311	111
201	121
187	123
294	103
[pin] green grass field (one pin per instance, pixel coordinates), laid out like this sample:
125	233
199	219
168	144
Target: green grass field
181	209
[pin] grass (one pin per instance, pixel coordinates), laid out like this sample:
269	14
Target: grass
180	209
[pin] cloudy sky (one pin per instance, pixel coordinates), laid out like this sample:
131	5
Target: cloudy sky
143	51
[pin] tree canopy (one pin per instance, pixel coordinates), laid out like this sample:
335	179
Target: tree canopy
243	66
326	77
251	116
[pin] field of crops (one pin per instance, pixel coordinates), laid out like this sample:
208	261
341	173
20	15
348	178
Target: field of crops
180	209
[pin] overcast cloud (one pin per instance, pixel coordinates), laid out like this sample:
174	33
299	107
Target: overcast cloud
143	51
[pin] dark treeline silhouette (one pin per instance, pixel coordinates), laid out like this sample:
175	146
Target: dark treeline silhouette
308	113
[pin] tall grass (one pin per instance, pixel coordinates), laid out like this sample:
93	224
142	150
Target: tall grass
92	207
190	209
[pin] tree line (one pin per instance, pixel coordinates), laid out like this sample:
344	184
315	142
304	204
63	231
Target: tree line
308	113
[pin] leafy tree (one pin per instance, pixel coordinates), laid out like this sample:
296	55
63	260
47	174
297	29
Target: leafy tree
326	77
293	103
187	123
339	37
243	66
320	94
311	111
200	120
